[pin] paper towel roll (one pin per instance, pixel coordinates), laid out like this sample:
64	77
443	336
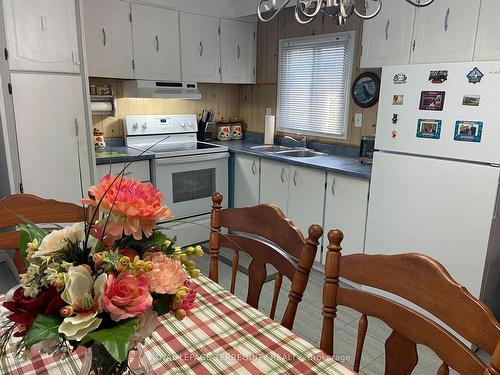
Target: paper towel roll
269	130
101	107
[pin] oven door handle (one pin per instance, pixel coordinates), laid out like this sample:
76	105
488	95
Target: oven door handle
192	158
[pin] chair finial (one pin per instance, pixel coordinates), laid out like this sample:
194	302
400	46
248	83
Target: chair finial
335	237
315	232
217	199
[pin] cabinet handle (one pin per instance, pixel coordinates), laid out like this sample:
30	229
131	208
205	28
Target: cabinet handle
42	23
103	37
283	175
77	128
254	168
387	29
201	48
295	178
446	17
239	52
157	43
333	187
74	55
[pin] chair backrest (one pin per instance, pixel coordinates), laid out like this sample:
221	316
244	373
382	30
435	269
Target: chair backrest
39	211
268	237
424	282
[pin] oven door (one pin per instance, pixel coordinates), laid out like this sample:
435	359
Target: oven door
188	182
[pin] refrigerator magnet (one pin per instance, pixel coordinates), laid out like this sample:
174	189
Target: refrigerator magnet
468	131
432	100
438	76
398	99
394	135
471	100
400	79
395	118
475	75
430	129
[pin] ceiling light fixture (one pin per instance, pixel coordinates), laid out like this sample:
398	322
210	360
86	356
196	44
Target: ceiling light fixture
339	10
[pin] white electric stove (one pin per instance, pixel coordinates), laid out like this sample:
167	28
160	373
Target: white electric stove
188	172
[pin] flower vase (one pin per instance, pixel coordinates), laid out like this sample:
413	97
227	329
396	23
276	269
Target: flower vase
98	361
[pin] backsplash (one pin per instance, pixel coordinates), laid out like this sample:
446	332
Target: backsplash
223	98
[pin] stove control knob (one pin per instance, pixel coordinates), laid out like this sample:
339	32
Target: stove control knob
135	126
190	124
183	125
144	125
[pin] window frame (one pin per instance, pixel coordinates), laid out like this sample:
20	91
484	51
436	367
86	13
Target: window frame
347	35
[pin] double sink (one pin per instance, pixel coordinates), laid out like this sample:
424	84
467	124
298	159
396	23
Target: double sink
288	151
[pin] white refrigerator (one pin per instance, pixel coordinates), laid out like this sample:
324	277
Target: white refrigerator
434	186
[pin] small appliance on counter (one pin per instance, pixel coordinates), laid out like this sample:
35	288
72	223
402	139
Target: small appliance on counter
206	125
366	149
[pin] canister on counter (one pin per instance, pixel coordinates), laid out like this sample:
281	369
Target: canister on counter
224	130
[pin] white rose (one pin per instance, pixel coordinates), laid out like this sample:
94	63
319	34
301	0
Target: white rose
58	240
78	288
77	327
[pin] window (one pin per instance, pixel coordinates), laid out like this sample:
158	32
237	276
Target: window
314	84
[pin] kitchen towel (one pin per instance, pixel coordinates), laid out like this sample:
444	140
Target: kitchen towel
269	130
101	106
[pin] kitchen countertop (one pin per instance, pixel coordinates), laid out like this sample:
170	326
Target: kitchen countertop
345	165
121	154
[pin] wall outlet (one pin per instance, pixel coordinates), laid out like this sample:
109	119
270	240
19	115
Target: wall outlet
358	120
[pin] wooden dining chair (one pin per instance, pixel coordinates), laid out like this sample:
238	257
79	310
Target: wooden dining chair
424	282
268	237
39	211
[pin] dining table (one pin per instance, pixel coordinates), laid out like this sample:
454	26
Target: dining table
222	334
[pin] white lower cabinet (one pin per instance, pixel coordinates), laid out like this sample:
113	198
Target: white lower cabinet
346	205
137	170
274	183
246	180
306	199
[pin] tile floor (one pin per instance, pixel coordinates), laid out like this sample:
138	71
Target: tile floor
309	320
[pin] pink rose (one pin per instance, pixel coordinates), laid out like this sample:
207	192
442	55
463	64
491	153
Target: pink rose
167	276
126	296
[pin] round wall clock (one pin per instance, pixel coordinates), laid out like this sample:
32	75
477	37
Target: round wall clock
366	89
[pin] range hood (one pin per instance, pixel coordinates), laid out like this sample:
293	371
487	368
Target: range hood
160	89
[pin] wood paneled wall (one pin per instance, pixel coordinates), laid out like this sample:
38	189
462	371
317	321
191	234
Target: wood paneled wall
256	98
223	98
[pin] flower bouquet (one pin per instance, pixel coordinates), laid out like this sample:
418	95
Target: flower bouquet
100	284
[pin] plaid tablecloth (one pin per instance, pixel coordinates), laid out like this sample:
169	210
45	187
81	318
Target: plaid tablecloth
222	335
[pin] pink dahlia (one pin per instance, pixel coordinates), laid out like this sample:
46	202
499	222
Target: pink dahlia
167	276
126	296
133	207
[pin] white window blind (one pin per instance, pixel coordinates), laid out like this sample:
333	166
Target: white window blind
314	84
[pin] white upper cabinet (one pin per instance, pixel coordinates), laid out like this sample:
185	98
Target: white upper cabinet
237	51
41	35
156	43
200	48
387	37
488	32
445	31
108	38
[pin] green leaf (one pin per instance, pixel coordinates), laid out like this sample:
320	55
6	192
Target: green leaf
44	327
115	339
161	304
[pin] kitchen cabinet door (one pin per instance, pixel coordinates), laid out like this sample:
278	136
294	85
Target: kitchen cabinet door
345	209
246	180
445	31
41	35
108	36
51	135
274	183
387	37
487	40
200	48
137	170
237	51
156	43
306	198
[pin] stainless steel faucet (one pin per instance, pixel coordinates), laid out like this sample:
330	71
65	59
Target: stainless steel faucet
303	139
